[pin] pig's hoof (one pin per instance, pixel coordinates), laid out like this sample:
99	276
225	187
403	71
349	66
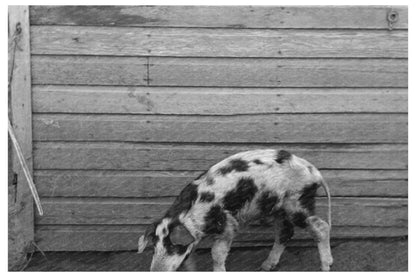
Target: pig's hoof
266	266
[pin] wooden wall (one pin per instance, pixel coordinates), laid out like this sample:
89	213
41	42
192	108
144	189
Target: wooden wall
131	103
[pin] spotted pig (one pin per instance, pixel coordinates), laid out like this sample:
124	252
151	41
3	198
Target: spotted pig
261	184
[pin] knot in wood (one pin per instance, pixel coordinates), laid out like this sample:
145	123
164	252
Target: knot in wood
18	30
392	17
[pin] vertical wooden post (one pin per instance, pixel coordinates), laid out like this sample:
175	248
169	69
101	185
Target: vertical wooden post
21	212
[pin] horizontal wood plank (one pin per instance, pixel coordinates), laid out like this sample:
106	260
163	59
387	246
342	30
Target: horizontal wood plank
381	212
216	72
121	237
234	72
133	156
367	17
214	101
308	128
64	40
94	183
81	70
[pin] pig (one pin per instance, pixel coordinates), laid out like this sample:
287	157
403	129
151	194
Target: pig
267	184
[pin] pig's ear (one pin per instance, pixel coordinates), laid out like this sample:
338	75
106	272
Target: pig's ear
146	237
180	235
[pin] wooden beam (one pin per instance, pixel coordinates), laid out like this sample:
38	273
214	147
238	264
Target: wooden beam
235	72
310	128
165	157
21	113
219	72
131	41
327	17
215	101
80	70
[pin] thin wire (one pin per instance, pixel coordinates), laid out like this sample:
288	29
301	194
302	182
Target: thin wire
14	41
25	169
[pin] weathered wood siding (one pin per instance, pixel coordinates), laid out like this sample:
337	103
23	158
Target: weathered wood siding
132	103
21	229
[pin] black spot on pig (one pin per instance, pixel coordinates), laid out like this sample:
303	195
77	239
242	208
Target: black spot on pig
184	201
215	220
266	202
207	197
282	156
286	228
307	198
257	161
299	219
238	165
286	232
151	232
244	192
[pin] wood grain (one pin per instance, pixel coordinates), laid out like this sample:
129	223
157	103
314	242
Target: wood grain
214	101
122	237
361	17
66	40
318	128
372	211
96	183
21	212
218	72
138	156
81	70
132	103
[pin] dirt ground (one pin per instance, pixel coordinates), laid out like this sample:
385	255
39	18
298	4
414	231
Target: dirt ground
365	255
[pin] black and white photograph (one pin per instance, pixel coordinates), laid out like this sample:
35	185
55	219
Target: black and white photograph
207	137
